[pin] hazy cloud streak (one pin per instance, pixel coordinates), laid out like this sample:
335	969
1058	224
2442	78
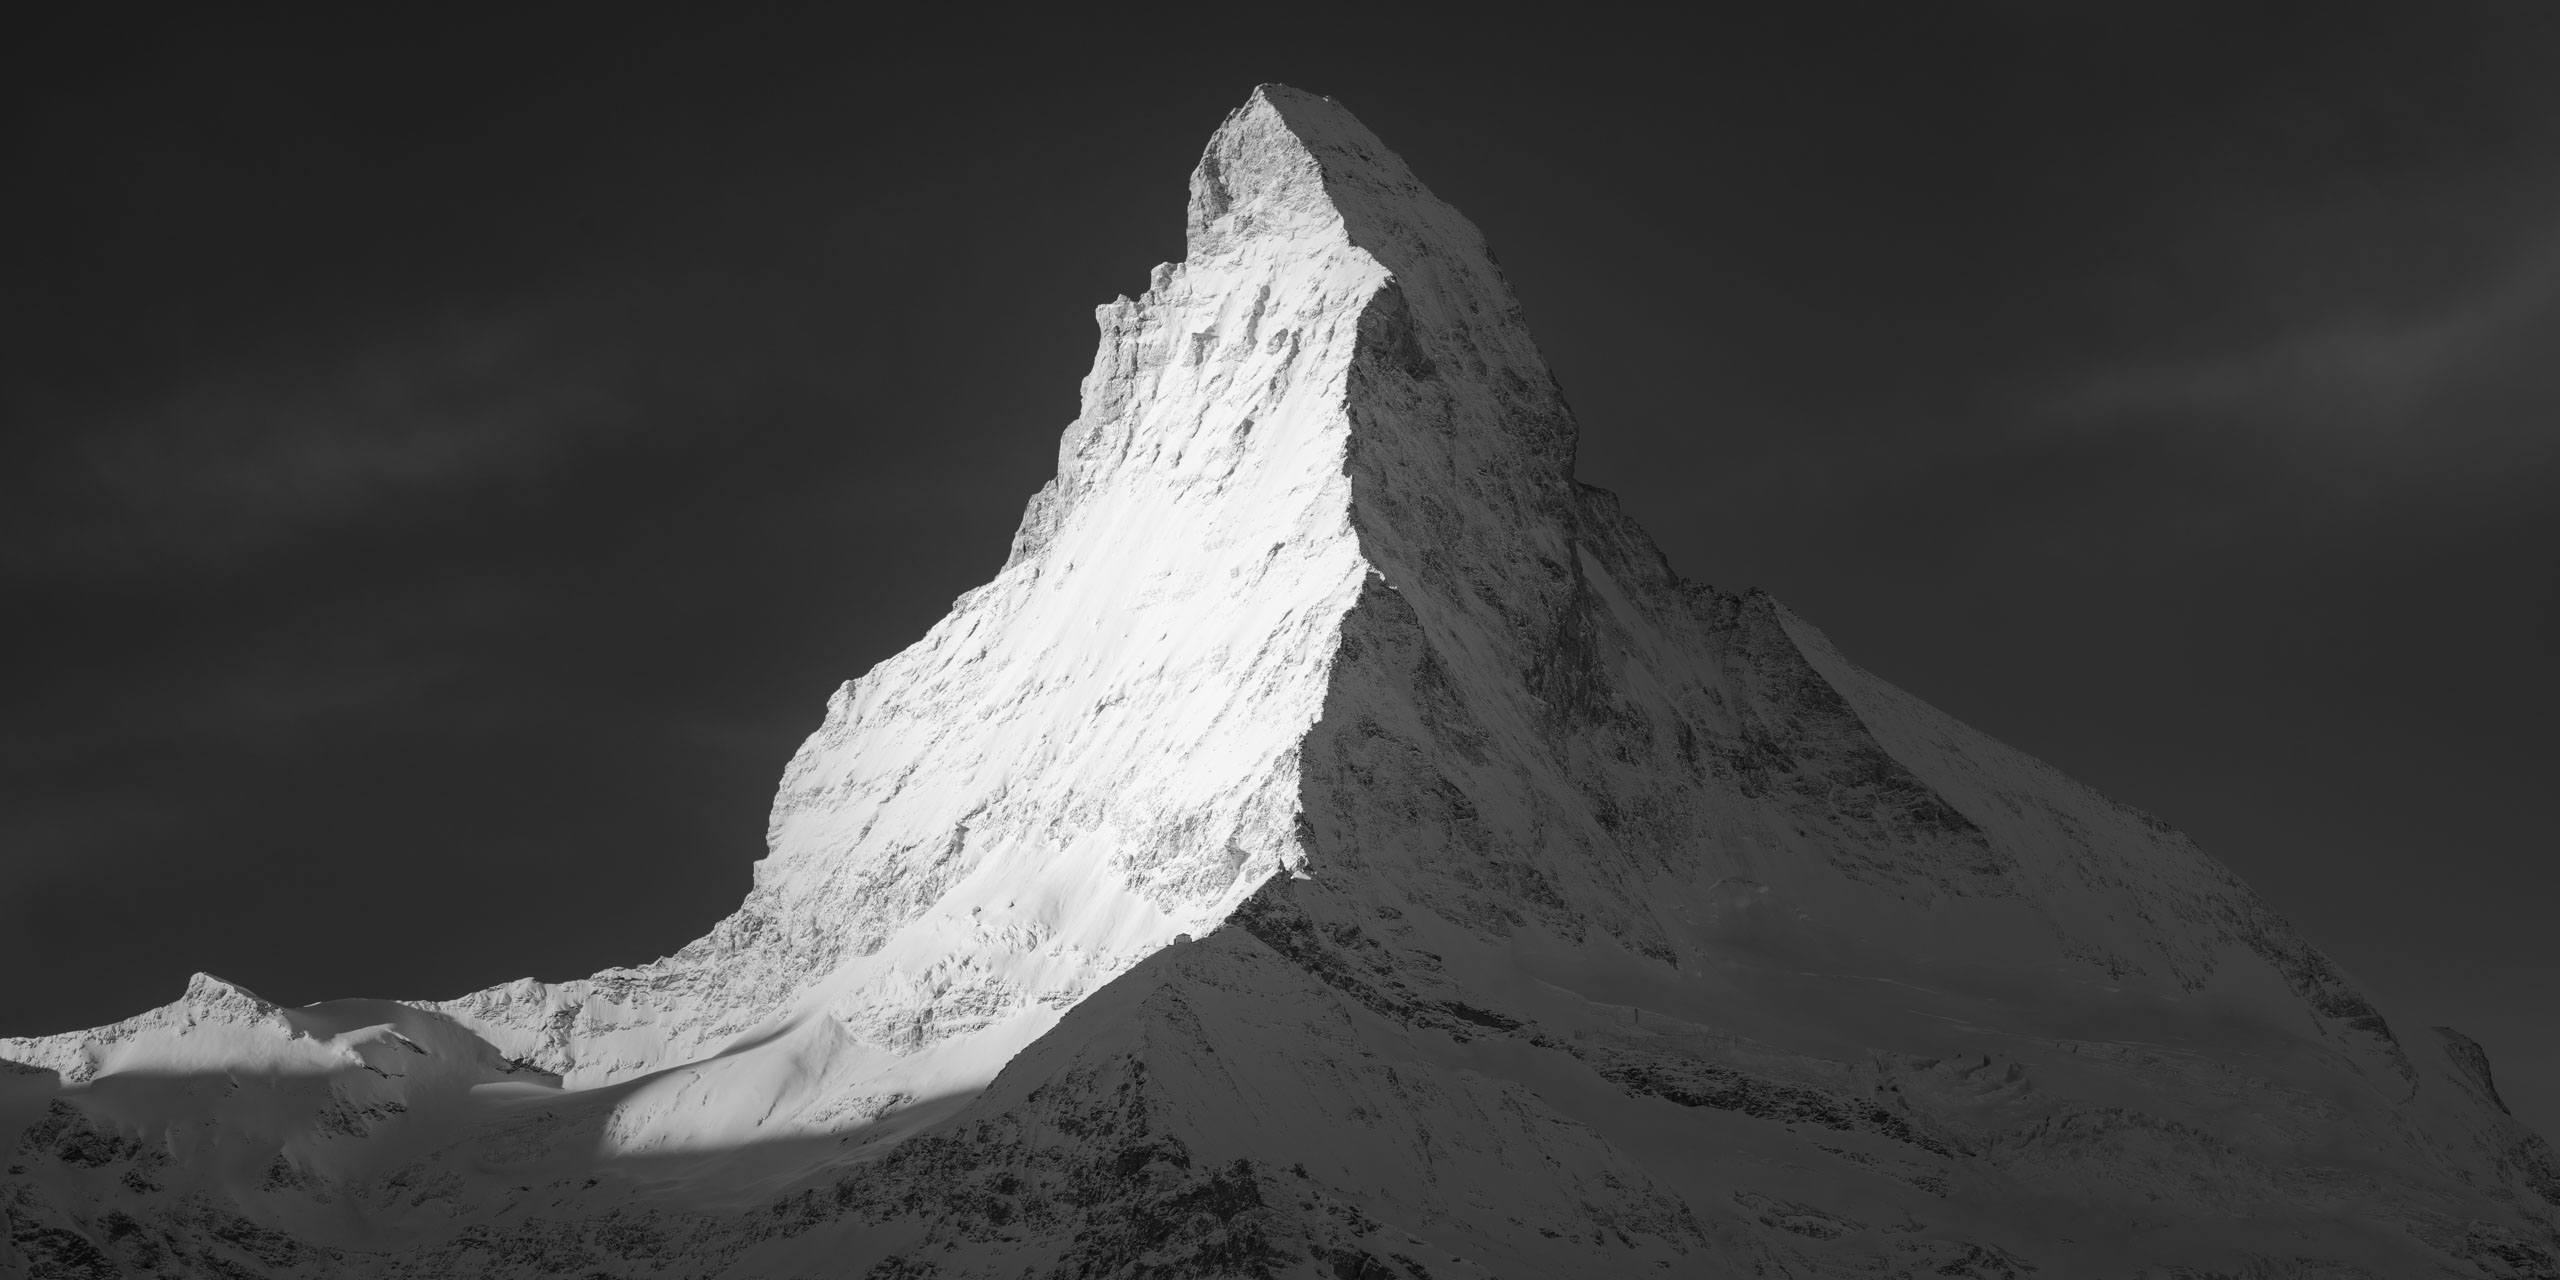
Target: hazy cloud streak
229	467
2357	380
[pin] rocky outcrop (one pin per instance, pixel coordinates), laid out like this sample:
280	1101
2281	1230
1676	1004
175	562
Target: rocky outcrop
1336	843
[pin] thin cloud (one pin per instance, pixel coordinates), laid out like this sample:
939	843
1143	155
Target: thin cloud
228	468
2361	378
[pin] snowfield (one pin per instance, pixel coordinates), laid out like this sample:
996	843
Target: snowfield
1336	844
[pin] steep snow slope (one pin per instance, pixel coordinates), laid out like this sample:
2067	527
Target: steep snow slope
1553	915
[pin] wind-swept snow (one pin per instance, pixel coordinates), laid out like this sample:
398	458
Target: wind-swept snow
1336	844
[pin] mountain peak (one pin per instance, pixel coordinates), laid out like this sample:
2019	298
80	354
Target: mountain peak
1289	162
1336	835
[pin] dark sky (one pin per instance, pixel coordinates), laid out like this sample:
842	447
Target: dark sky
449	463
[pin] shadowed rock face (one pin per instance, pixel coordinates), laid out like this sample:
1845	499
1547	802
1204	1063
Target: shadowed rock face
1554	915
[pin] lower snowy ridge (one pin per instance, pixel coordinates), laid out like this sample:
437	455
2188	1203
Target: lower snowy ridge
1300	1095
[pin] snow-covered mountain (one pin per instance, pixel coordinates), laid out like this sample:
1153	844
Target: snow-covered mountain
1336	844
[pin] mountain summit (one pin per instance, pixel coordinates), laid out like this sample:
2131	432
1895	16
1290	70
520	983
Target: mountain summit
1336	844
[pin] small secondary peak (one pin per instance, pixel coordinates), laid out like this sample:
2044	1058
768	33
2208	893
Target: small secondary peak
204	990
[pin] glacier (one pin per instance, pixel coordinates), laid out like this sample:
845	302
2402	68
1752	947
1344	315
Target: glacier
1337	844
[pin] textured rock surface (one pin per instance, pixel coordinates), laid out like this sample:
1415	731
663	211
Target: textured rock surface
1336	844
